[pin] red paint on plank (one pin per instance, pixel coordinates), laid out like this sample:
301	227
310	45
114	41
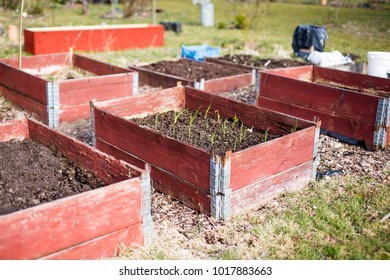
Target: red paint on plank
301	72
15	129
228	83
97	67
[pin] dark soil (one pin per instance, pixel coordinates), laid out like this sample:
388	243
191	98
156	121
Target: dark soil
245	94
206	133
31	174
7	110
267	63
193	70
81	130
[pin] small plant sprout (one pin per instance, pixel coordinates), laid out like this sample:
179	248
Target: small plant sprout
235	121
294	128
218	116
207	111
235	145
192	118
224	128
266	135
156	120
212	138
176	117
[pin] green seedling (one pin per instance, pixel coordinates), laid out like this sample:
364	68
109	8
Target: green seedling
235	120
224	128
294	128
241	132
266	135
156	120
176	118
192	118
212	139
235	144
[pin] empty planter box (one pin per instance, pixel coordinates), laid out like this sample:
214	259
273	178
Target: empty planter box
95	38
221	186
88	225
351	106
57	88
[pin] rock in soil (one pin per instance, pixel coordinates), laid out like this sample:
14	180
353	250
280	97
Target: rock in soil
31	174
194	70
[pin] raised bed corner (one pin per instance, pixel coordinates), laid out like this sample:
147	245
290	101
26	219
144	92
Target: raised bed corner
89	225
221	186
47	40
351	106
64	100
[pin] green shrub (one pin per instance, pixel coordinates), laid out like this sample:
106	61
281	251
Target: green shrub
241	22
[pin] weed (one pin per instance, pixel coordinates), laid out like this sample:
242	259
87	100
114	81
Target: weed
156	120
212	138
218	116
235	121
224	128
192	118
235	145
266	135
294	128
176	117
241	132
207	111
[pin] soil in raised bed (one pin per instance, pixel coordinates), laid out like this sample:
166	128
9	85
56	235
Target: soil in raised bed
208	133
244	94
267	63
7	110
193	70
32	174
81	130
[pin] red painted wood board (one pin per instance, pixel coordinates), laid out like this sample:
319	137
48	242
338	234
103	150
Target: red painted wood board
178	158
79	91
15	129
350	79
254	195
304	73
39	61
228	83
258	117
270	158
321	98
97	67
106	216
155	79
36	109
23	82
92	38
102	247
44	229
191	195
159	101
356	130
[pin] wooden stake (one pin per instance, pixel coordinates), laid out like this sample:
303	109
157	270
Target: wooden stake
20	34
154	12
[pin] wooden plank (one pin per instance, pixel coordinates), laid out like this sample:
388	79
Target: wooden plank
257	117
74	113
228	83
15	129
101	165
39	61
180	159
97	67
95	38
304	73
344	126
229	63
322	98
106	246
191	195
38	231
156	79
272	157
74	92
36	109
159	101
253	196
24	83
350	79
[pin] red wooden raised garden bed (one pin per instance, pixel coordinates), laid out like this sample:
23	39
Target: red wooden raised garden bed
166	74
95	38
349	105
54	101
89	225
221	186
